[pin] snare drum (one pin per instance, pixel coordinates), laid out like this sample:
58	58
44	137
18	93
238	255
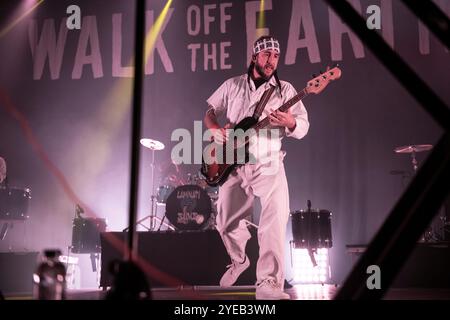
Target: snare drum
312	228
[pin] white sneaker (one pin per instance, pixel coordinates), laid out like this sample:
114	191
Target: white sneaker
234	271
270	290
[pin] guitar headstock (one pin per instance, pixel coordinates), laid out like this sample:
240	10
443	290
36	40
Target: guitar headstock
319	83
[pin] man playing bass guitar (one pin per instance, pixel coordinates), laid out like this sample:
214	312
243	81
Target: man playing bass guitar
265	178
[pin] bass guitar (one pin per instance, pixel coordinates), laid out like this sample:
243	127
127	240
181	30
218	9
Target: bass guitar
216	168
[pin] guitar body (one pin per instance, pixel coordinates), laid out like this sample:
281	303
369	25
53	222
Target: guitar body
215	171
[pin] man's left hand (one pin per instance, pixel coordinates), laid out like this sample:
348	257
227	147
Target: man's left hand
283	119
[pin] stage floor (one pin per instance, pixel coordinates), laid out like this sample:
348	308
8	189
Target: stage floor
297	292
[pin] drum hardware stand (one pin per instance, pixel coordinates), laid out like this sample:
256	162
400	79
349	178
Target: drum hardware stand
430	234
161	223
153	145
153	218
96	266
6	226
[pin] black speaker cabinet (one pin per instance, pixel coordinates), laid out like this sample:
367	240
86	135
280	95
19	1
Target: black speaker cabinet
16	272
427	267
194	257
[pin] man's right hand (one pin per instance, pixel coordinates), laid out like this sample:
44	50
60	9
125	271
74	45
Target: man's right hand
220	135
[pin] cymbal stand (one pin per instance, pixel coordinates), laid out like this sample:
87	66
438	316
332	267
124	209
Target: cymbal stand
414	161
154	219
429	234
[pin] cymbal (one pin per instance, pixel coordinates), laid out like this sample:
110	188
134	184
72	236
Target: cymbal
413	148
152	144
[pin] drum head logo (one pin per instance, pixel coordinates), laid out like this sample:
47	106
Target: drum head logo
188	207
188	200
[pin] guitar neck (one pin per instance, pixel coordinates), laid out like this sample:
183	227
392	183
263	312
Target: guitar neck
299	96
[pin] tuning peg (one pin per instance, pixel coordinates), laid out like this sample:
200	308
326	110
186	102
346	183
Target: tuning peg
336	65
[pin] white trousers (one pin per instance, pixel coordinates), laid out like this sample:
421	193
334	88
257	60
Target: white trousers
235	202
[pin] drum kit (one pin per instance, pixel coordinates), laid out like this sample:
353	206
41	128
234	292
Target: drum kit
431	234
190	204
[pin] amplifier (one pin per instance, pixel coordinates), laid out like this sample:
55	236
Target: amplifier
16	272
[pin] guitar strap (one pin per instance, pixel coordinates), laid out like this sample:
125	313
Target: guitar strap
262	103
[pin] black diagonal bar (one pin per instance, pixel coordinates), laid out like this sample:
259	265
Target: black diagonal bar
136	124
416	208
392	61
432	17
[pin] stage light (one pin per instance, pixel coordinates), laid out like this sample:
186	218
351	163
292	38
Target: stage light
303	269
261	19
311	292
24	10
152	35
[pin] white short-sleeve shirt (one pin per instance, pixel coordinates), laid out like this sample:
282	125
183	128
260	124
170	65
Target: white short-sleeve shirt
237	99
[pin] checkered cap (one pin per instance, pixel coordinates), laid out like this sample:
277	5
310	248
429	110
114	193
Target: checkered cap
266	44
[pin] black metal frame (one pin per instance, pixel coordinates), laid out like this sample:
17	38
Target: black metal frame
397	237
139	42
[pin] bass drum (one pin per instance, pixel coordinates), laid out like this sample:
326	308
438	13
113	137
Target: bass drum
188	207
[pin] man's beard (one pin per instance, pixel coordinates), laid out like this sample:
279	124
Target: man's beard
260	70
